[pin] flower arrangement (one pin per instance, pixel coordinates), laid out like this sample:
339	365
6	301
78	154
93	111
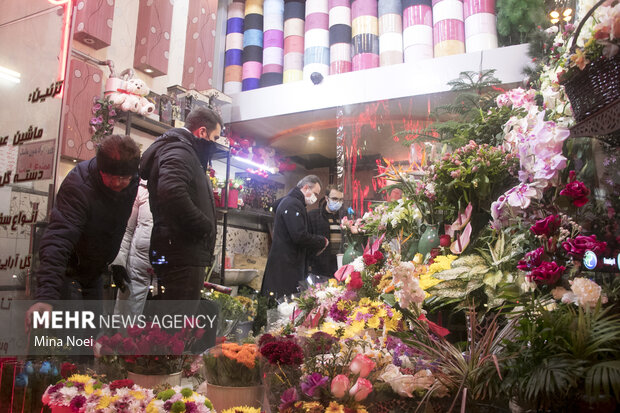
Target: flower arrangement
242	409
82	393
149	350
600	38
232	364
179	400
232	311
104	115
235	184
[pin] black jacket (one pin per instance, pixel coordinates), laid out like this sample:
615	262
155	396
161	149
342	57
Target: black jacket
324	264
286	265
181	199
85	231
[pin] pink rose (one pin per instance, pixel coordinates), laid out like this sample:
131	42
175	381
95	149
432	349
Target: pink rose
340	385
362	365
546	226
361	389
546	273
578	246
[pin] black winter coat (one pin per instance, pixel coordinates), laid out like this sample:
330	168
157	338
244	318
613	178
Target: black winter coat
325	263
181	199
85	231
286	265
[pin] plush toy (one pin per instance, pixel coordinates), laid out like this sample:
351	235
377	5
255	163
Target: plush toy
139	88
132	100
115	91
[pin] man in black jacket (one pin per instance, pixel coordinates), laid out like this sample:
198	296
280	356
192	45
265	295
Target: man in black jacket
87	224
325	221
286	264
182	203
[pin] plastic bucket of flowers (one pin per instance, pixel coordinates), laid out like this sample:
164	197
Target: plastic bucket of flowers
233	376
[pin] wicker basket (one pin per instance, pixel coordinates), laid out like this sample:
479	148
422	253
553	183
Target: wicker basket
597	85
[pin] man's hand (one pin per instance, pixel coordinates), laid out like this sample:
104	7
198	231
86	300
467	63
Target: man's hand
35	308
120	277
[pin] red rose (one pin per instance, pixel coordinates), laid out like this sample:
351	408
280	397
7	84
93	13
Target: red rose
547	273
369	259
577	247
532	260
546	226
445	240
67	369
378	255
435	252
576	191
119	384
356	281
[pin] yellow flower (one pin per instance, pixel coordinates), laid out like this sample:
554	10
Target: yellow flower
80	378
418	258
105	401
428	281
332	282
442	263
374	322
88	388
241	409
334	408
137	395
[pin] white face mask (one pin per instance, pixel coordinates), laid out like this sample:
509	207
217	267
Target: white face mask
311	199
333	206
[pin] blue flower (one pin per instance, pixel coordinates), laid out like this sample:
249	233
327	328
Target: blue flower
28	368
45	367
21	380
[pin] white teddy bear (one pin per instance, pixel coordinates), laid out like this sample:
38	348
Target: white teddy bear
130	97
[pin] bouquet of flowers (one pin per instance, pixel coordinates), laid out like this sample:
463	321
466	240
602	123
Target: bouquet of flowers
232	311
82	393
232	364
102	123
179	399
149	350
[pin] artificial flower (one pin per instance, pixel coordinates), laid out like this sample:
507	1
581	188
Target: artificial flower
546	273
576	191
546	226
578	246
584	293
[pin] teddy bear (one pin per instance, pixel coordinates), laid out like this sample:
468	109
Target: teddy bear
139	89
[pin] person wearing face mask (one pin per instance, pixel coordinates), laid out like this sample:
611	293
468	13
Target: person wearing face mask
286	264
325	221
182	203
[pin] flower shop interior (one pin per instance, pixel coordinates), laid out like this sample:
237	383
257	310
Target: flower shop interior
476	146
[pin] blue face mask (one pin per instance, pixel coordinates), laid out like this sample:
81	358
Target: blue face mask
333	206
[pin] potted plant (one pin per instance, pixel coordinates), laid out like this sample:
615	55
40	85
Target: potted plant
233	375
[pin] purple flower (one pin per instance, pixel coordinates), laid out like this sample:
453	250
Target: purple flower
112	113
167	405
77	403
288	398
312	383
191	407
96	108
337	314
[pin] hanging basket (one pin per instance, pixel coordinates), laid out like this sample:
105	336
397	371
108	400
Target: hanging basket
595	87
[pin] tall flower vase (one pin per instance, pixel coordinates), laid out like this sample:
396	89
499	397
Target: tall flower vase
352	251
429	239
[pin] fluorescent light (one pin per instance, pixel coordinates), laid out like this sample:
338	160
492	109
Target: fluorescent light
10	75
255	164
311	138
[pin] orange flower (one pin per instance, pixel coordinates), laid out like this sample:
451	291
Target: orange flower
579	59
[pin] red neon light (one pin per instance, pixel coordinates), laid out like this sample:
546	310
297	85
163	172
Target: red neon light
66	30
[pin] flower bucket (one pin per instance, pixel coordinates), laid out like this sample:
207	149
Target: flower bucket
61	409
150	381
233	198
225	397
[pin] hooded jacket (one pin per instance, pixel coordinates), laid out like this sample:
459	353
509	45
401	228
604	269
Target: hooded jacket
85	231
181	199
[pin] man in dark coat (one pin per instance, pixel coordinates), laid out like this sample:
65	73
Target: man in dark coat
325	221
182	203
87	224
286	264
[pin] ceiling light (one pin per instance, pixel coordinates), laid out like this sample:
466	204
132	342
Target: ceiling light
554	14
567	12
147	70
310	138
10	75
554	21
567	18
255	164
